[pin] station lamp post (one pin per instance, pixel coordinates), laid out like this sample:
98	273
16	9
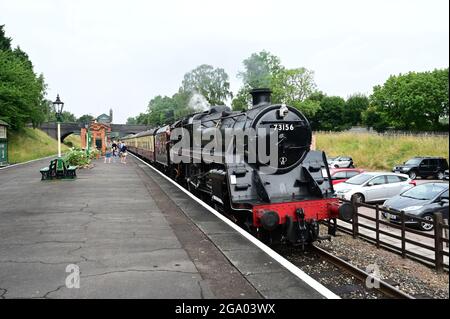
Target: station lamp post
59	105
88	139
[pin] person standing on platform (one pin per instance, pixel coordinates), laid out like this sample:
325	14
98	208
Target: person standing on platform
124	152
114	151
108	154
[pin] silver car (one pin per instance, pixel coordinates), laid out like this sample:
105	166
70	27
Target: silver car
373	186
341	162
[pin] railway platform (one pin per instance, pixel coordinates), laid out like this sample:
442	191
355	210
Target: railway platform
126	232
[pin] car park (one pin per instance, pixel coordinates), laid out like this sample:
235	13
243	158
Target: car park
421	201
373	186
423	167
339	175
342	162
330	159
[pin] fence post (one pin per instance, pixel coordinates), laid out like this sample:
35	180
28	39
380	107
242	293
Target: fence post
438	255
355	219
402	216
446	232
377	225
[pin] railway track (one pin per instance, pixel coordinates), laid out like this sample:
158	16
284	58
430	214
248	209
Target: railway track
384	288
338	275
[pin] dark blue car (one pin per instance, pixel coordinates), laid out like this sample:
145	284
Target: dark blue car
420	201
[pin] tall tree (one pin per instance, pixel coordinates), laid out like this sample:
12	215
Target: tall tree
331	116
354	107
264	70
86	118
212	83
261	70
413	101
21	90
132	121
293	85
5	42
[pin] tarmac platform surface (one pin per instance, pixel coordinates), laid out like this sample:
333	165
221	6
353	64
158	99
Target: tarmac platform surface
131	233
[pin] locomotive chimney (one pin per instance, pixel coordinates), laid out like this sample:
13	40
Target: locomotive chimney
260	96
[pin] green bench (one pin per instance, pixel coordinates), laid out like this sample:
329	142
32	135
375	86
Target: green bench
58	168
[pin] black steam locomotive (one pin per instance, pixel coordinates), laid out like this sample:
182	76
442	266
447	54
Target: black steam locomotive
277	198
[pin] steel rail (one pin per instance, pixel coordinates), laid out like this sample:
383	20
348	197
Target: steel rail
384	287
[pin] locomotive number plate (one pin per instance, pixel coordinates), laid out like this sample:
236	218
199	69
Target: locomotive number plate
283	127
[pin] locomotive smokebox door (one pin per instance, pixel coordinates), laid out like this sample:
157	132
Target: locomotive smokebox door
3	143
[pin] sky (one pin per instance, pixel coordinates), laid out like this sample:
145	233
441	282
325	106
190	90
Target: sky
102	54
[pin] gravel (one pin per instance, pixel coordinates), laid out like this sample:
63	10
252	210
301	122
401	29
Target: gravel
342	284
410	276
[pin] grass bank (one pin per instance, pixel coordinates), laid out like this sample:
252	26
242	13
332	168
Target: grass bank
380	152
29	144
73	141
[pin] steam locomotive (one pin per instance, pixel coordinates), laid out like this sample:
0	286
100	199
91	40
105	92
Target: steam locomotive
278	200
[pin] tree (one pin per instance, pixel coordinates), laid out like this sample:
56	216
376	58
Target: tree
21	90
160	110
212	83
264	70
260	70
356	104
330	117
372	117
293	85
68	117
308	107
86	118
5	42
132	121
241	101
413	101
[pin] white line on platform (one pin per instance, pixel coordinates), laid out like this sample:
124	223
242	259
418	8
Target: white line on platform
281	260
23	163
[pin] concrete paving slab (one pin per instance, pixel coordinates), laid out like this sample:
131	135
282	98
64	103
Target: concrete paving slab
105	222
131	233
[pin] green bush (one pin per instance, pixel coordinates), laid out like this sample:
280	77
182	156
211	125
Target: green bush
93	154
77	157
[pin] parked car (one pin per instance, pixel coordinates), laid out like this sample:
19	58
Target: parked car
423	167
339	175
421	201
342	162
330	159
446	174
373	186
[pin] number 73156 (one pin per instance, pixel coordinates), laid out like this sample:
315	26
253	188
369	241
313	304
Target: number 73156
283	127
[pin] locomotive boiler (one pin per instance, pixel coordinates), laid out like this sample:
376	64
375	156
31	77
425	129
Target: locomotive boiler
254	166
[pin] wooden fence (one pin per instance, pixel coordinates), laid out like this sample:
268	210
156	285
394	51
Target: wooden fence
440	236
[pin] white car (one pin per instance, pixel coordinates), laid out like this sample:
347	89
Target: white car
341	162
373	186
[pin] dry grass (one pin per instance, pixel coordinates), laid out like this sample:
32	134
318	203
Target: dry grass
29	144
378	152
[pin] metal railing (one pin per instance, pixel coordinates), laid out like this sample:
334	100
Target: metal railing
439	237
